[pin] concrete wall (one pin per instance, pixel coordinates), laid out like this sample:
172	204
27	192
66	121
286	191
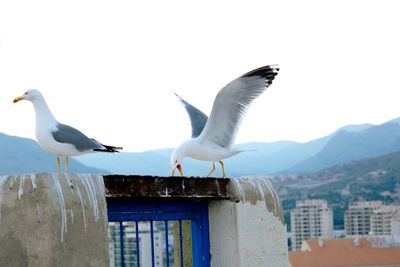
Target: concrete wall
50	221
248	231
47	221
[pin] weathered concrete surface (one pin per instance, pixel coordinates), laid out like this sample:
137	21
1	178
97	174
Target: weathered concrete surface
254	189
136	186
46	223
248	230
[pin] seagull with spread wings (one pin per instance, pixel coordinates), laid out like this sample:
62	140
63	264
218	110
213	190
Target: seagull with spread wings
213	138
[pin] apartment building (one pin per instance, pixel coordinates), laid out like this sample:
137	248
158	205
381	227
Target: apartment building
131	246
311	219
385	220
357	219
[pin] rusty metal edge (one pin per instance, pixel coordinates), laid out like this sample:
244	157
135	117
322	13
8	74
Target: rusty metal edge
120	186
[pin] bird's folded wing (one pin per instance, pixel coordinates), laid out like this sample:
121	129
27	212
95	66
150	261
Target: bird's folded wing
197	118
232	102
70	135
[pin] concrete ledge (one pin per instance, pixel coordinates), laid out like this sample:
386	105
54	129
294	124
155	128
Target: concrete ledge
136	186
248	230
48	220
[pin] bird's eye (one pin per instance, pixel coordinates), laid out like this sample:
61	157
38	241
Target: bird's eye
26	93
176	161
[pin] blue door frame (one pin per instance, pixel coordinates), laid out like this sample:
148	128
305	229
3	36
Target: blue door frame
128	209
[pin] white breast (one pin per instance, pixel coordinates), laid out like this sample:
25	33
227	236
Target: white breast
207	151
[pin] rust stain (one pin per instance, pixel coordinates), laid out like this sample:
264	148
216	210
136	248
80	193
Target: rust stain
137	186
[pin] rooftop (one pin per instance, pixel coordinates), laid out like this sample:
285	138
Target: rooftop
343	253
387	209
311	202
366	204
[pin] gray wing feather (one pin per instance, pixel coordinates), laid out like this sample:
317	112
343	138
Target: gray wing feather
197	118
232	102
70	135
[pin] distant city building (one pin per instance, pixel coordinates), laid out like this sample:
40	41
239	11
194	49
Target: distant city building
395	223
347	253
357	219
385	220
311	219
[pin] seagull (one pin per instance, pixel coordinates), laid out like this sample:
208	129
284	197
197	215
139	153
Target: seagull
213	138
57	138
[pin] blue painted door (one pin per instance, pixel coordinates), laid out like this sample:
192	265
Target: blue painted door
150	232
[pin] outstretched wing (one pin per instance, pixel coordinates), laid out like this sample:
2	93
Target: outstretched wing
197	118
232	102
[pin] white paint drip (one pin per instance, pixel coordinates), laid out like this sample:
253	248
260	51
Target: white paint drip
69	182
277	202
12	182
3	180
102	192
258	184
38	211
91	193
261	185
21	186
218	188
94	186
72	216
96	211
239	188
32	176
83	207
60	195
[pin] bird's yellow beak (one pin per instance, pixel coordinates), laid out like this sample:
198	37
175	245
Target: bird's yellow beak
179	167
17	99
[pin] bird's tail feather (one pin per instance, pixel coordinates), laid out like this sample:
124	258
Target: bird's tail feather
108	149
249	150
246	150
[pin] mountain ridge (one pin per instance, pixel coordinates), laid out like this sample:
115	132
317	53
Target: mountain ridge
23	155
376	178
345	146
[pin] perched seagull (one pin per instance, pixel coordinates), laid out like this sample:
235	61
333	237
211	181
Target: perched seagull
60	139
213	138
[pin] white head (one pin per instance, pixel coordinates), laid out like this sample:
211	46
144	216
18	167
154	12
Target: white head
176	160
30	95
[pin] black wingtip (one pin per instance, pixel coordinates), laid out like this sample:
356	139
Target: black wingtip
268	72
178	96
112	149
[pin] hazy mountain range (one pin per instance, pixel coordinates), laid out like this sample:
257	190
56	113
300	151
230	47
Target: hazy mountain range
284	157
23	155
348	143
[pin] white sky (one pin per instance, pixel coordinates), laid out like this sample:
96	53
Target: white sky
109	68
